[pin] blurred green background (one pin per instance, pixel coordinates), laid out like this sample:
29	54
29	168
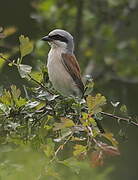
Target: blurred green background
106	45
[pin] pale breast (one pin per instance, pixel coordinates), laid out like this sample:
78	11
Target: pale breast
58	75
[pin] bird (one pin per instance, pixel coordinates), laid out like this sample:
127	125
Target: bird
63	68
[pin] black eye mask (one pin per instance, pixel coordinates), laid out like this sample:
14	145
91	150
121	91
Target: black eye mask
59	37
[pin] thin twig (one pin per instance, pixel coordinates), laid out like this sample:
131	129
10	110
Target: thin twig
40	84
120	118
89	130
32	79
8	60
61	147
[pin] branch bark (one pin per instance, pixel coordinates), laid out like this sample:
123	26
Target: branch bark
31	78
120	118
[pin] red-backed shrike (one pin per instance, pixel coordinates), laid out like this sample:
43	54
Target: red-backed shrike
63	68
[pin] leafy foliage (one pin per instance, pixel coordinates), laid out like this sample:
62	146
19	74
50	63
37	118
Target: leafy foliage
50	122
50	118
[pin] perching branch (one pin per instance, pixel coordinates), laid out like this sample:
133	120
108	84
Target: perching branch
120	118
104	113
8	60
31	78
40	84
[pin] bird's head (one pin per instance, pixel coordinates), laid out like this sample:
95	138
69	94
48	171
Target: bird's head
59	38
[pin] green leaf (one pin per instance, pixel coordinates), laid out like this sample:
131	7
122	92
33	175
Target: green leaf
87	120
26	46
94	103
24	70
6	98
48	148
123	108
15	92
4	108
64	133
79	150
21	102
2	61
65	123
85	115
38	76
12	97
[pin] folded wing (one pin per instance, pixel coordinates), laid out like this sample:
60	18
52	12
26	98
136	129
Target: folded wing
70	63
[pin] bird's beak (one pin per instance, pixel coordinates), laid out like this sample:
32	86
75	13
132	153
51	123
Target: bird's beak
46	38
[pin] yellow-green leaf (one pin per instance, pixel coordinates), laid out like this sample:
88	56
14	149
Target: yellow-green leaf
9	31
111	138
38	76
65	123
2	61
48	148
79	149
40	105
6	98
94	103
26	46
123	108
15	92
20	102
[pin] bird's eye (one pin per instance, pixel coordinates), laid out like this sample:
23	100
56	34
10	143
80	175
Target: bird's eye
59	37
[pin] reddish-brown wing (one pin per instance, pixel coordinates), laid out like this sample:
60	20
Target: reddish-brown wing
70	63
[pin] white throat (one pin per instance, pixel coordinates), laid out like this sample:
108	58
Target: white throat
58	45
